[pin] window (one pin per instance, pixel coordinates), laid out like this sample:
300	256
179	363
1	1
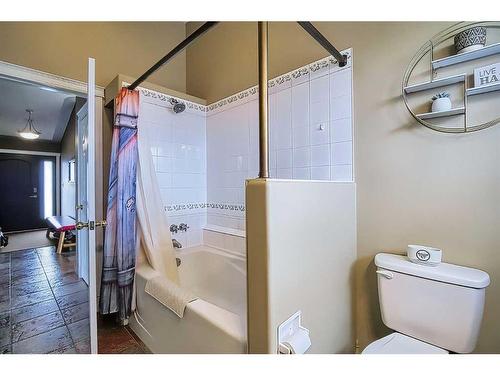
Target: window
48	188
71	174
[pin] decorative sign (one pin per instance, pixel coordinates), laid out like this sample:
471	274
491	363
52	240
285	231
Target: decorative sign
487	75
423	255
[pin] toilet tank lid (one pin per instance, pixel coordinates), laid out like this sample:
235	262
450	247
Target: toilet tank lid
444	272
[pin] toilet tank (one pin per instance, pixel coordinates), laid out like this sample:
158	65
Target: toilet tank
441	305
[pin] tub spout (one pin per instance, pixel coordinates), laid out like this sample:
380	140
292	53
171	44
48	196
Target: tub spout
177	244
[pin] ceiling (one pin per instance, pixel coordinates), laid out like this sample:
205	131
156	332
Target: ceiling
51	109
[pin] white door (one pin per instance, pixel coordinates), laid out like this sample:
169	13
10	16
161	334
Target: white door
86	223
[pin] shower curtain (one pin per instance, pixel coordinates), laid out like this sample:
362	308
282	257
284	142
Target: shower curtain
120	236
133	194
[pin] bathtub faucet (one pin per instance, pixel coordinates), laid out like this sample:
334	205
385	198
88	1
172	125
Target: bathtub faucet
177	244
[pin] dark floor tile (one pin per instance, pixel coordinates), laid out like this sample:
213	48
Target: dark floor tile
49	261
29	279
5	305
114	340
58	280
133	349
75	313
23	254
58	274
69	288
19	290
59	269
47	342
4	267
26	269
4	278
69	350
33	311
5	336
5	319
80	330
27	272
4	258
31	298
18	263
138	340
72	299
83	347
7	349
4	292
36	326
46	250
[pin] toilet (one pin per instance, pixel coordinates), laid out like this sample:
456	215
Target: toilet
432	309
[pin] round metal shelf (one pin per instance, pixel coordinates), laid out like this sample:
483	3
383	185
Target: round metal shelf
428	48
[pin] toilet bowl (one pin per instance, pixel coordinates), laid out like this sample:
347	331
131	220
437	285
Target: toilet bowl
397	343
433	310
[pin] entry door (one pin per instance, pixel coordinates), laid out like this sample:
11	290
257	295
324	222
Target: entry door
27	191
85	212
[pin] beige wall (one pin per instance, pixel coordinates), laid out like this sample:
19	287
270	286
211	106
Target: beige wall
414	185
62	48
292	263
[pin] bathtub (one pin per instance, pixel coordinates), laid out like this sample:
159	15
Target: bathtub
214	323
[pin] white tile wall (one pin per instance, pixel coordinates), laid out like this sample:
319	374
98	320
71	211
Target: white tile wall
310	138
206	158
178	147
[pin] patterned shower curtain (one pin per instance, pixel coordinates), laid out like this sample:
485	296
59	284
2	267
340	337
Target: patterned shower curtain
120	236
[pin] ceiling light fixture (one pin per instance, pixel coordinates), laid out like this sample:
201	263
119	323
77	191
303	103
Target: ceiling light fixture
29	131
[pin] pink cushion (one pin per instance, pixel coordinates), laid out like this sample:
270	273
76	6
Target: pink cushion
61	223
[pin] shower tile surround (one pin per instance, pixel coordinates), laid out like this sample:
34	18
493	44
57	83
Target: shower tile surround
204	155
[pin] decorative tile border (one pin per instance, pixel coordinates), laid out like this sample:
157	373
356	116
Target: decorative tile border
233	98
190	106
230	207
202	205
301	74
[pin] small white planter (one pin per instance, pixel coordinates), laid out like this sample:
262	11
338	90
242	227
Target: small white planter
441	104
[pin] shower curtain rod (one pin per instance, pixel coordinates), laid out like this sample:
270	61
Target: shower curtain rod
315	33
181	46
307	26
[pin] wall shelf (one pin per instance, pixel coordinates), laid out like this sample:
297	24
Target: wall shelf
451	112
435	83
482	89
460	76
492	49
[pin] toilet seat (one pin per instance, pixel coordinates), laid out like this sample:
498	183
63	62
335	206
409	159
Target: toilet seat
397	343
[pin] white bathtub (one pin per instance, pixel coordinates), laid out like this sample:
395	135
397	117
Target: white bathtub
214	323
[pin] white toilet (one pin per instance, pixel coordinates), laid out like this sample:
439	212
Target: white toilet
433	309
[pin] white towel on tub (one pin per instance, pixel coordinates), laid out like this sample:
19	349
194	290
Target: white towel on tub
169	294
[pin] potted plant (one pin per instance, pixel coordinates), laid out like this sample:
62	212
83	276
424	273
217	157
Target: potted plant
441	102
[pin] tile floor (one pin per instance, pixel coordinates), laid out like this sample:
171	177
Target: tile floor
44	307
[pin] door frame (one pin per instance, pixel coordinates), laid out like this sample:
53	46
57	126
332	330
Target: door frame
58	169
78	88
